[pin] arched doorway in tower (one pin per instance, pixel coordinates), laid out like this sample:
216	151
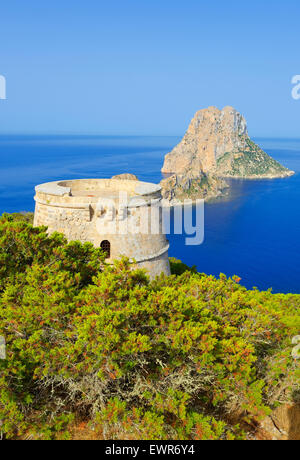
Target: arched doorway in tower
105	246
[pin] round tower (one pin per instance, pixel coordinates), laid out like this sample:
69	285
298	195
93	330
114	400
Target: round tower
123	217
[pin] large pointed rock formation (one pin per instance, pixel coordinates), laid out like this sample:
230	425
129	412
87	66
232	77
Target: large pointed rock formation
217	142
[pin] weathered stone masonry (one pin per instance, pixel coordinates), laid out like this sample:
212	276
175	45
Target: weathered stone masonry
91	210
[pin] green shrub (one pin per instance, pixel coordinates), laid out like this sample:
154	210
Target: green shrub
178	267
167	359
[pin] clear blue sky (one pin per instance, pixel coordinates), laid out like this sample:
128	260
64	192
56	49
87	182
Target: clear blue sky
145	67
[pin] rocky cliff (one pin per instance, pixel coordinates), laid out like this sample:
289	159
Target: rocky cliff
217	142
217	145
189	185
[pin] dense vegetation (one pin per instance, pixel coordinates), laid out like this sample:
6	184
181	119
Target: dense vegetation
104	349
250	161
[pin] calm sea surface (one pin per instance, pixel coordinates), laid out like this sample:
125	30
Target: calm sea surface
253	232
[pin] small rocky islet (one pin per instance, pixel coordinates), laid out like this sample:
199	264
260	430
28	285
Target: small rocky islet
216	146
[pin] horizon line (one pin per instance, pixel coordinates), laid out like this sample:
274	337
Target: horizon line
52	134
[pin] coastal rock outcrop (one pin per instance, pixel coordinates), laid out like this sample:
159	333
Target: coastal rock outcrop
217	145
217	142
191	185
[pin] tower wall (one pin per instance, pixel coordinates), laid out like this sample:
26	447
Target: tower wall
93	210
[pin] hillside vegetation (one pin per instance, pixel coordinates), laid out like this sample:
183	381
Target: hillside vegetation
103	350
250	161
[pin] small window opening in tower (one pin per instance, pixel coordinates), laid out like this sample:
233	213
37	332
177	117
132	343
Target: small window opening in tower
105	246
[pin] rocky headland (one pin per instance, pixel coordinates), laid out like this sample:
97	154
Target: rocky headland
215	146
191	185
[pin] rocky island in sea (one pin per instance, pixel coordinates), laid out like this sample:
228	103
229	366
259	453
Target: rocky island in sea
215	146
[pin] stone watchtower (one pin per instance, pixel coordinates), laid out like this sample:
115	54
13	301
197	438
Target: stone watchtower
121	216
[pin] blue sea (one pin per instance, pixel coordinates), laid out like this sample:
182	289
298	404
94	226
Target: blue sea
253	232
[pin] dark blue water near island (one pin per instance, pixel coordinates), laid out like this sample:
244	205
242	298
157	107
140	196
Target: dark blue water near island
253	232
